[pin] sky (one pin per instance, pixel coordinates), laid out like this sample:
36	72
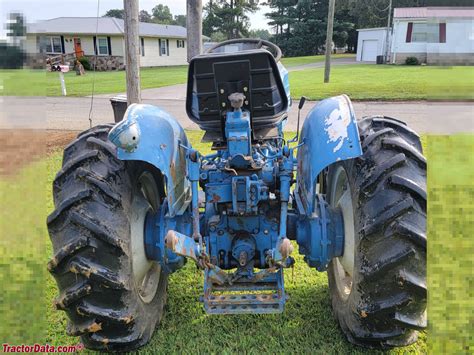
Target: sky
35	10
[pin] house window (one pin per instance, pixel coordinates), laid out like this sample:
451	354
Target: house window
432	33
164	47
426	33
142	46
418	33
102	46
53	44
180	43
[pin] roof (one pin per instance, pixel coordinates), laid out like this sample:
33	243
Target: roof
102	26
372	29
433	12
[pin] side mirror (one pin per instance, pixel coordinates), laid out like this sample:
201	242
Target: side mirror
302	101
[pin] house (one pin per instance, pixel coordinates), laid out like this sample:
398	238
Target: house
434	35
103	38
371	43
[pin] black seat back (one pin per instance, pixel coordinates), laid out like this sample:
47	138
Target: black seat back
254	73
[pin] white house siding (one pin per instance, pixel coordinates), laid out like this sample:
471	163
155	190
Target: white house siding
458	49
87	44
117	44
152	58
373	34
30	45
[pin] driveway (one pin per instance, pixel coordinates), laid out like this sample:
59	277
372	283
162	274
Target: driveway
73	113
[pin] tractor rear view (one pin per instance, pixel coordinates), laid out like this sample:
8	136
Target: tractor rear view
135	201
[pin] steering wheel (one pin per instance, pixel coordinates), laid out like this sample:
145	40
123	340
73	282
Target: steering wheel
259	43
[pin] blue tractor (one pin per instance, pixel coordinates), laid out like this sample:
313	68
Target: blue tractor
135	201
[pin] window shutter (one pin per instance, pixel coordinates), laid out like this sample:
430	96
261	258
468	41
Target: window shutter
62	45
109	44
159	44
442	33
409	32
167	47
95	45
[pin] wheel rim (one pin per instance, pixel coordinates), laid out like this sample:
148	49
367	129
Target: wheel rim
341	197
146	273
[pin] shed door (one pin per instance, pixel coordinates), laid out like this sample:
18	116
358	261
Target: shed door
369	50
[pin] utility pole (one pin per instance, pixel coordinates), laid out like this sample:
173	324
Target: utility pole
132	51
194	27
387	36
327	64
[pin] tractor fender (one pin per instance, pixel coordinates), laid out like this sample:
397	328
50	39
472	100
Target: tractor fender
149	134
329	134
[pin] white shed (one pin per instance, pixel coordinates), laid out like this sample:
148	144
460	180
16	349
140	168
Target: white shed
370	43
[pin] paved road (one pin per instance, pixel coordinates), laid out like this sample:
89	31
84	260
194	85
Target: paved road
73	113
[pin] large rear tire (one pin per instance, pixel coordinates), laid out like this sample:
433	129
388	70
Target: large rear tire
378	287
112	295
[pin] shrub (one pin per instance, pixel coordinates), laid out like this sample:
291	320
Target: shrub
85	63
11	57
412	61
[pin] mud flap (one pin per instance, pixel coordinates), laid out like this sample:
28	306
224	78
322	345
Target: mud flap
329	134
150	134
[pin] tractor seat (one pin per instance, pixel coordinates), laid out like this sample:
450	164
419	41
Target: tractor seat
213	77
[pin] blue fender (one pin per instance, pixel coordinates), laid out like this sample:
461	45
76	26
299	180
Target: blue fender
329	134
149	134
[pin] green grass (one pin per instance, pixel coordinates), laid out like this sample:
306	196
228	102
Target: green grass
40	82
385	82
297	61
23	255
306	326
451	246
360	82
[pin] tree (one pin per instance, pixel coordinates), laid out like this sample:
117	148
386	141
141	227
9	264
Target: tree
11	57
162	14
16	26
300	25
282	16
144	16
211	22
180	20
229	17
218	37
117	13
260	33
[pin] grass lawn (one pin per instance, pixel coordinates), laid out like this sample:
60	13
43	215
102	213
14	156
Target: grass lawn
385	82
40	82
360	82
306	326
296	61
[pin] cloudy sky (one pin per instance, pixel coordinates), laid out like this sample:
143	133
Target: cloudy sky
35	10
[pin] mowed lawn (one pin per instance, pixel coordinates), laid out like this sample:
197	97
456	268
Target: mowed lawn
360	82
297	61
306	326
40	83
385	82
